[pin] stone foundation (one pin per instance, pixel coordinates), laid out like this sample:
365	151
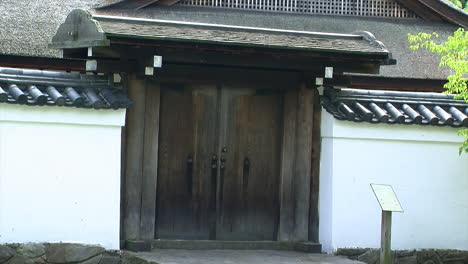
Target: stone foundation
63	253
426	256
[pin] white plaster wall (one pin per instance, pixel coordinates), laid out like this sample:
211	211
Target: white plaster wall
424	168
60	175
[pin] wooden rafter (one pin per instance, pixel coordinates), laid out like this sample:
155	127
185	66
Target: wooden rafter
437	10
167	2
134	4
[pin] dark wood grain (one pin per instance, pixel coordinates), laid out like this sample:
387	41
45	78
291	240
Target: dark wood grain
302	166
134	158
186	131
288	152
252	129
315	170
150	162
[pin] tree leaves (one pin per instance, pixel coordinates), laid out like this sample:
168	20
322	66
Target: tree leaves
453	54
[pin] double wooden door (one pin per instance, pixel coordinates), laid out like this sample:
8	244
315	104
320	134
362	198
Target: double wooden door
218	169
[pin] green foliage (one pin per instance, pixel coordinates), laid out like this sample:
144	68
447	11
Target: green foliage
453	54
464	146
460	4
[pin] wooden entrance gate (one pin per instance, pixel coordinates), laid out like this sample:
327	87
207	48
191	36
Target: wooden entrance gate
221	159
218	167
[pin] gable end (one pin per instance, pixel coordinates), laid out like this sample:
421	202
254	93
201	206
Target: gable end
79	31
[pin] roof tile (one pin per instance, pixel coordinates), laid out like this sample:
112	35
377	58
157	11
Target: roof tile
396	107
30	87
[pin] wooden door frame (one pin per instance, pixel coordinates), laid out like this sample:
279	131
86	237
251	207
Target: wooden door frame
298	217
140	176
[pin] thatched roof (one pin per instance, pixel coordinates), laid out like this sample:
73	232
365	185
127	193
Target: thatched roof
26	27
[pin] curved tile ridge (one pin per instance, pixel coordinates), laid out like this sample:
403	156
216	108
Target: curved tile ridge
47	88
394	107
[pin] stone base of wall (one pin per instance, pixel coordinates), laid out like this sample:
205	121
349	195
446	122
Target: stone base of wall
426	256
63	253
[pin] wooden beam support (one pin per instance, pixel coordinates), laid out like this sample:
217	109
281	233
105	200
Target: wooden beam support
266	61
150	161
315	170
167	2
104	52
437	10
78	65
386	83
133	4
255	58
110	66
134	159
287	192
295	177
420	10
303	157
196	73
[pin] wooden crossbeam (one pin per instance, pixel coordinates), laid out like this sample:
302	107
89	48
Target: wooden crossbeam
11	61
134	4
167	2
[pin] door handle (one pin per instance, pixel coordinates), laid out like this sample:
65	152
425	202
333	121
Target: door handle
214	180
212	206
189	174
222	169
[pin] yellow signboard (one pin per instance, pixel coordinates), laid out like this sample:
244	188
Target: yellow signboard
387	198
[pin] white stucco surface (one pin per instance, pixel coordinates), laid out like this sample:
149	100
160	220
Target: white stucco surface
424	168
60	175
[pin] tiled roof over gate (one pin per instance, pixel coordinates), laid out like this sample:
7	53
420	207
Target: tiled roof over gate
96	30
46	88
242	37
392	107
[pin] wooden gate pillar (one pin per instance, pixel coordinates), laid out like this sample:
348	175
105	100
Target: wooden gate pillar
132	180
296	165
141	160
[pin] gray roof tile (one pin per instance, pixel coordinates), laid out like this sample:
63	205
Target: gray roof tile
396	107
46	88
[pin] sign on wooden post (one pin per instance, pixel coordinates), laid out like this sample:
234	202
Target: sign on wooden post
389	203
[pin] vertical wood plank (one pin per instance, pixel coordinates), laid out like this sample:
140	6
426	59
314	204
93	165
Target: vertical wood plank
286	218
175	219
315	170
150	162
301	183
251	135
134	158
186	147
123	152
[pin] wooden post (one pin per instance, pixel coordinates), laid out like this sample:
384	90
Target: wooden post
134	159
295	176
302	170
287	198
150	162
386	235
315	170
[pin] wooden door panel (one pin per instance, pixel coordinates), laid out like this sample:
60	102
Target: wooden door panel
186	146
249	206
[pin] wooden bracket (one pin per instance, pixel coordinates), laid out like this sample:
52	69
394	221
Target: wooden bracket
110	66
150	64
